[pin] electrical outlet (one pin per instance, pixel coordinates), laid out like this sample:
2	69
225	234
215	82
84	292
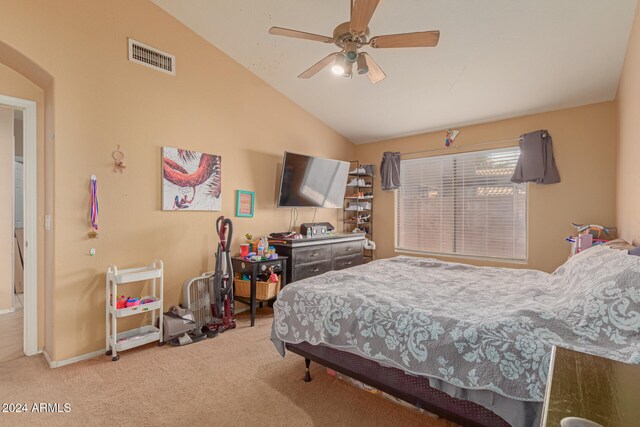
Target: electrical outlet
47	222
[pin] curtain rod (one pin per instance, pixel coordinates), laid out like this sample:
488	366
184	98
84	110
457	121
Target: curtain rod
461	146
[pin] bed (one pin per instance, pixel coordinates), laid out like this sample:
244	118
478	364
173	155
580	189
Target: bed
480	335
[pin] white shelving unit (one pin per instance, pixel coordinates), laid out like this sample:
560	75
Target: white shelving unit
124	340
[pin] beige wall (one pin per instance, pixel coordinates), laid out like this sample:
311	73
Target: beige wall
584	147
102	100
215	105
14	85
6	208
628	195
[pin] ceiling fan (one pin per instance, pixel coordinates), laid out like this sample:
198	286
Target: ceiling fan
351	36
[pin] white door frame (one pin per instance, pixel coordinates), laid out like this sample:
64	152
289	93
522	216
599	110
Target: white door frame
30	221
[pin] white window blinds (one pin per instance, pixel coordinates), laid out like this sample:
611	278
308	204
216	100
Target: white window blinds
463	204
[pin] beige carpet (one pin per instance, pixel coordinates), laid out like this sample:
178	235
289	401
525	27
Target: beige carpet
235	379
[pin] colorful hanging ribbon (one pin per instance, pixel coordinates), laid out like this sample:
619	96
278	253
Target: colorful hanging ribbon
94	203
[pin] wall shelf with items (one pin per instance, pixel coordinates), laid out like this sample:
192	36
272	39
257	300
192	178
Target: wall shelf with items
124	340
358	203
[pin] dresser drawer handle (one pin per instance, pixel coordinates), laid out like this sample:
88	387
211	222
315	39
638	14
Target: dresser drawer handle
315	270
313	254
348	249
349	263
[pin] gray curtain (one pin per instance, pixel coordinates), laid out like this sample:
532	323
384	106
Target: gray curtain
536	162
390	170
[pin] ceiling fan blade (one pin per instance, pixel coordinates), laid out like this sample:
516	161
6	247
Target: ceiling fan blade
361	13
315	68
375	73
419	39
279	31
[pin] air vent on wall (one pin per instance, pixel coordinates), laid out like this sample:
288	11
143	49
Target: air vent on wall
151	57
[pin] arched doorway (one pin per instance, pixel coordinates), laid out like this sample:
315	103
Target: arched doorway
38	244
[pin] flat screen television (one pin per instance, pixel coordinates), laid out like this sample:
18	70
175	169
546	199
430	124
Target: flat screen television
312	182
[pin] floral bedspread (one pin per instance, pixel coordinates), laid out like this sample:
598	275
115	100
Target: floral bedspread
474	327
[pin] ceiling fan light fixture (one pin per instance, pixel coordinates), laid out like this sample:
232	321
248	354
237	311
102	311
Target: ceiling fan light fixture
363	68
351	51
353	35
340	65
348	72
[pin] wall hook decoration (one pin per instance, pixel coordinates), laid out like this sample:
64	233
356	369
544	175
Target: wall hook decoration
452	134
118	157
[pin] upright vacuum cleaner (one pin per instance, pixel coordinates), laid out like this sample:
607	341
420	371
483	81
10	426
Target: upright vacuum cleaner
221	287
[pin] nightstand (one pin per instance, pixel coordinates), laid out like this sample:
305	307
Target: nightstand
253	268
595	388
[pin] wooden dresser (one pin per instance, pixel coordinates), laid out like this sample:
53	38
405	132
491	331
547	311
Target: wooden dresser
313	256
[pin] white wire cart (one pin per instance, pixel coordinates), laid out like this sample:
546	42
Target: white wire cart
124	340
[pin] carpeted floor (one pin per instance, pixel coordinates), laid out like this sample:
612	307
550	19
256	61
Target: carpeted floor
235	379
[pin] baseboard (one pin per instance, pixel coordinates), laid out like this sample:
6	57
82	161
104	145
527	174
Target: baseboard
46	357
8	310
241	310
64	362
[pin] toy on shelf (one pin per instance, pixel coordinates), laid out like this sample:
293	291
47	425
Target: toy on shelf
589	235
273	277
258	250
244	249
132	302
249	242
121	303
597	231
126	302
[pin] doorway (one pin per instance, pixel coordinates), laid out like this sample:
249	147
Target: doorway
18	208
18	228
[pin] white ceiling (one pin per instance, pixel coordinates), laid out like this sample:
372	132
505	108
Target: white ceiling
496	58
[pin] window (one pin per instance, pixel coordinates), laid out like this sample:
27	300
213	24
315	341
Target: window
463	204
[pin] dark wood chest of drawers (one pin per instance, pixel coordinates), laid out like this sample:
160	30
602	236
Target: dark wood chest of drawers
313	256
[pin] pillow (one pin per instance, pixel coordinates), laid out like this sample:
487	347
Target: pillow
635	251
619	244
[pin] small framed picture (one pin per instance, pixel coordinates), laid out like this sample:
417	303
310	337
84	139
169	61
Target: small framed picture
245	200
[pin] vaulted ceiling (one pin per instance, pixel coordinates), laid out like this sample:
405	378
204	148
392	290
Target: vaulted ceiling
495	59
